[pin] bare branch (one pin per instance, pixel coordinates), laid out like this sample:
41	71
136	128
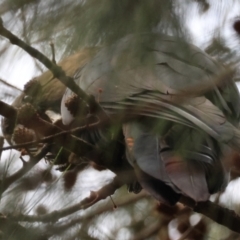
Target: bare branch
51	137
94	197
13	230
1	145
72	143
56	70
126	200
218	214
53	52
10	85
7	111
27	166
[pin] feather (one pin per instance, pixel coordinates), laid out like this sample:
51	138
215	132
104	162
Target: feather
149	168
123	85
181	115
188	176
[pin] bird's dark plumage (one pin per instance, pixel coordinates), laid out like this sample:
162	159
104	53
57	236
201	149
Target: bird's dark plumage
174	145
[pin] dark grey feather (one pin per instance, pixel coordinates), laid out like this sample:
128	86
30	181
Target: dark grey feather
183	157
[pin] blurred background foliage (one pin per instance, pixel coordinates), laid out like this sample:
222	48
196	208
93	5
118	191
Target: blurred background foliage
72	25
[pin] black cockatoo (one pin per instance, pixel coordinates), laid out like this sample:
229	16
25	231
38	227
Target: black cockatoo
175	142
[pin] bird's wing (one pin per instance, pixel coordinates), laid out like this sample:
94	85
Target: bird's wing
118	80
202	115
143	154
187	163
193	162
149	85
164	64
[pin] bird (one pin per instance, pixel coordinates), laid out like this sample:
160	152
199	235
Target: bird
177	120
44	93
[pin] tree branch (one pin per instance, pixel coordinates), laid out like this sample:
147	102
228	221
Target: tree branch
12	230
1	146
64	225
55	69
218	214
33	121
51	137
27	166
8	111
94	197
10	85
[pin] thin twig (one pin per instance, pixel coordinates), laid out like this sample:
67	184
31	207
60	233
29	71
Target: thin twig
27	166
10	85
53	52
94	197
49	138
1	145
12	230
215	212
64	225
25	35
70	142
